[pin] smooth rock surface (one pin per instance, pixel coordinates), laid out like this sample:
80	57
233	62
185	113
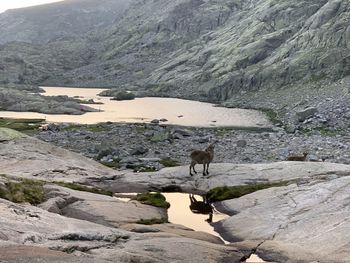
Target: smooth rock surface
101	209
25	156
23	227
220	175
297	223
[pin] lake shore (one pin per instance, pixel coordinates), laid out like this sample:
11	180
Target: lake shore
147	146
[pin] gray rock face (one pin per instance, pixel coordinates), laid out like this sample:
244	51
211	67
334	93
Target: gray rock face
288	221
72	19
195	49
104	210
28	157
33	234
53	231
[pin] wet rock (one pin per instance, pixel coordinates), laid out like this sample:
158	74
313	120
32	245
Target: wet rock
155	121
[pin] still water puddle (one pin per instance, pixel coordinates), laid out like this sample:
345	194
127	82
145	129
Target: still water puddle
175	111
192	211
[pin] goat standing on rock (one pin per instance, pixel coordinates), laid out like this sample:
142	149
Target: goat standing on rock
202	157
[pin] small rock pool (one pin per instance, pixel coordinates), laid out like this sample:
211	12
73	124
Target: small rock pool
192	211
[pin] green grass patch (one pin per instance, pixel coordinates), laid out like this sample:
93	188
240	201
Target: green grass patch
322	131
114	164
23	191
22	125
154	199
84	188
140	168
152	221
88	127
231	192
169	162
272	115
222	131
140	129
97	128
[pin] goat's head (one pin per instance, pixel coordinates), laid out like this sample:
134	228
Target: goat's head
210	147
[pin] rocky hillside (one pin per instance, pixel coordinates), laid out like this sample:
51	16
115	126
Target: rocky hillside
57	21
200	49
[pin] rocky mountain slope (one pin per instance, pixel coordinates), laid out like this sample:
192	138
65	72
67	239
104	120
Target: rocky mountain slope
57	21
195	48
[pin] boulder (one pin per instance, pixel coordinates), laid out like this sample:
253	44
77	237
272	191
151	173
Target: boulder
241	143
300	222
305	114
24	156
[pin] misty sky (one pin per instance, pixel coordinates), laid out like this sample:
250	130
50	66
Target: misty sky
10	4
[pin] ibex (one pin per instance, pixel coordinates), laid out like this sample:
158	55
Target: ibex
297	157
202	157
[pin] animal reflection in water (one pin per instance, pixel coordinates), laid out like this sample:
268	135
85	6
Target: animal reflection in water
201	207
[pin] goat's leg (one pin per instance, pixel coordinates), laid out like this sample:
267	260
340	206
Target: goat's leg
204	174
193	164
207	168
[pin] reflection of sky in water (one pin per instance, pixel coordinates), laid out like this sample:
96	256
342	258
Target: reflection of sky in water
146	109
180	213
